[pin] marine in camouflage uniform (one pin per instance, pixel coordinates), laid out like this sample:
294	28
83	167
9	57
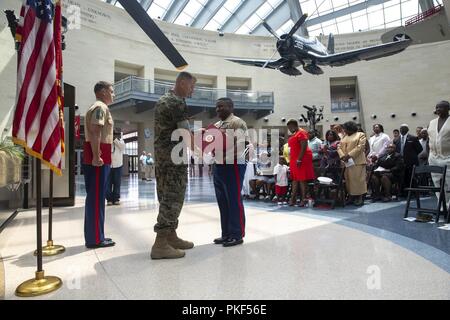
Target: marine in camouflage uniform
171	179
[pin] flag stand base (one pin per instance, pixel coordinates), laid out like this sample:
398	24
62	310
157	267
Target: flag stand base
51	250
38	286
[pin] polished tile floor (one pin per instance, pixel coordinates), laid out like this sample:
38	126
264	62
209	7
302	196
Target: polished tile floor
289	253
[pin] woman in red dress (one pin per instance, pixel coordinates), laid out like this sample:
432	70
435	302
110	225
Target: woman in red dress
301	163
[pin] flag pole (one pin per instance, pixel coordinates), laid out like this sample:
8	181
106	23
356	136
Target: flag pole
51	249
41	284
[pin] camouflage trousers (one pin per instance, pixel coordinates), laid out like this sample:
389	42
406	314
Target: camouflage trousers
171	188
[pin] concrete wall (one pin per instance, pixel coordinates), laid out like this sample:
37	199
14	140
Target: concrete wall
410	81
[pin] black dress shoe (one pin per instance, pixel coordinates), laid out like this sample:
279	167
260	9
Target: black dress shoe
233	242
220	240
105	243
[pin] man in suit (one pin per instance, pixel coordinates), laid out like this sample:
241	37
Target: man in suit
388	168
409	148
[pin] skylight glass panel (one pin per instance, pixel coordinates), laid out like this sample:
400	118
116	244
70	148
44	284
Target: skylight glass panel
159	8
392	13
344	24
339	4
376	19
324	6
190	11
183	19
353	2
260	14
285	28
315	32
243	30
393	24
330	29
231	5
360	22
212	25
263	10
224	13
252	22
410	8
309	7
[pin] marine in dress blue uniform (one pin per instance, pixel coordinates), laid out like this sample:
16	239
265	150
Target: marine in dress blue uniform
228	179
96	165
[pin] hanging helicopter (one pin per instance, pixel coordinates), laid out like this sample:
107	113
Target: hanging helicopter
298	51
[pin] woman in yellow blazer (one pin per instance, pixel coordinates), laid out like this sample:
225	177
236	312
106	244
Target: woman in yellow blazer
352	150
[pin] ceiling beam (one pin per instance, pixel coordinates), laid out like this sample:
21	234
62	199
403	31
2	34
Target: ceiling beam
296	14
241	15
146	4
342	12
207	13
426	5
275	19
175	9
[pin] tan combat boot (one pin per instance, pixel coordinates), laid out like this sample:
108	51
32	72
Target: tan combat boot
178	243
162	250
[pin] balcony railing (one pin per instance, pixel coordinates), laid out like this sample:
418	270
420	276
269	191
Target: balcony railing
344	106
201	96
422	16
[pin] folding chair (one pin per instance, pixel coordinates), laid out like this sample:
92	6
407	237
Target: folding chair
322	192
418	172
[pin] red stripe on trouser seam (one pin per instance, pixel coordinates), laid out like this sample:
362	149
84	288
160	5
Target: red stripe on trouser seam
241	208
97	204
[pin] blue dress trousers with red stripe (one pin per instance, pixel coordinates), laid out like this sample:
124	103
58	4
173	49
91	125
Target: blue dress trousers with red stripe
228	180
95	179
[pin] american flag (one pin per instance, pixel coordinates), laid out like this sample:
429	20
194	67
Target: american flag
37	124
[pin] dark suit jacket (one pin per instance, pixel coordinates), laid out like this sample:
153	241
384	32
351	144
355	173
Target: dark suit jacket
393	162
410	151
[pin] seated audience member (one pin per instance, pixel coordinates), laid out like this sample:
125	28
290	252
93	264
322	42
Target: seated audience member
265	175
388	168
330	156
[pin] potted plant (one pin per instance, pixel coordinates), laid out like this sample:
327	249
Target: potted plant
11	157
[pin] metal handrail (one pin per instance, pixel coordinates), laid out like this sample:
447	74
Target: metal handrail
136	84
422	16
